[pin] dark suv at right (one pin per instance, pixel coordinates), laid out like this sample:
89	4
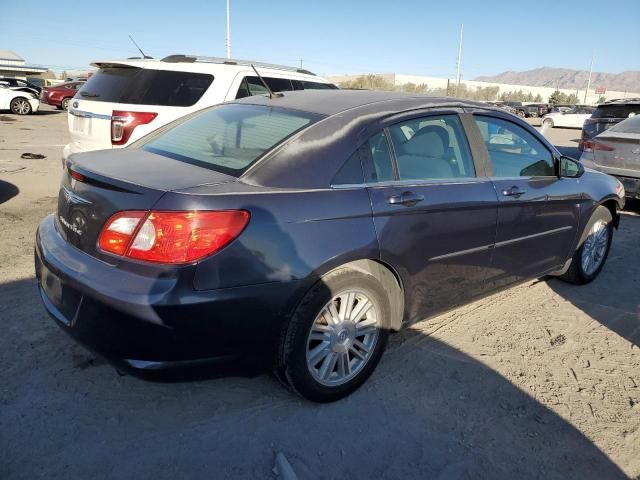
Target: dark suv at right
606	115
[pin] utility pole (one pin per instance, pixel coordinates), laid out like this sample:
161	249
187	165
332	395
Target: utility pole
228	42
301	64
459	62
589	79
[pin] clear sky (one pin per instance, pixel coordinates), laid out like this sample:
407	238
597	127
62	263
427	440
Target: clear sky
334	37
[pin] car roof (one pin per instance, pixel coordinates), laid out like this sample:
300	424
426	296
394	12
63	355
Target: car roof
200	64
333	102
310	158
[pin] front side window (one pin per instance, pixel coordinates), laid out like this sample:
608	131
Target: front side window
229	138
430	148
513	151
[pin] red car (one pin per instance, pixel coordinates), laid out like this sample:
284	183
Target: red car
60	95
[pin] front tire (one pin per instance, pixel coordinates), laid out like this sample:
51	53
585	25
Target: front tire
591	255
20	106
336	336
547	122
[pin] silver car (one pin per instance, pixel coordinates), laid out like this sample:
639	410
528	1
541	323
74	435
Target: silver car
616	151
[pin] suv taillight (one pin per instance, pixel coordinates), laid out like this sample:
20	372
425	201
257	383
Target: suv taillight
171	236
123	123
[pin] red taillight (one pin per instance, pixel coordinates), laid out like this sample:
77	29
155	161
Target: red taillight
592	146
123	123
171	237
77	176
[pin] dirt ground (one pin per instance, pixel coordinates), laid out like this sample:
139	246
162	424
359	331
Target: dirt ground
540	381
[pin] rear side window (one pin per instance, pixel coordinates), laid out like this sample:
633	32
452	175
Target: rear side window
229	138
253	86
305	85
433	147
616	111
146	87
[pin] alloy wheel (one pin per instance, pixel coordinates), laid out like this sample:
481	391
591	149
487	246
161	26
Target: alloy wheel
21	106
595	247
342	338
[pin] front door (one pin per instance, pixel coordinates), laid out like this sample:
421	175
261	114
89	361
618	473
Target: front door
435	218
538	212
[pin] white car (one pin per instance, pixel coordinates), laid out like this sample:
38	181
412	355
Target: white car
19	102
127	99
573	118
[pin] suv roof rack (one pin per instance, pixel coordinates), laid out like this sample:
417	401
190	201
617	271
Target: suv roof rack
231	61
622	100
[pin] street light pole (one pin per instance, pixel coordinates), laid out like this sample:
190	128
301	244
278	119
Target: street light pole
459	62
589	79
228	42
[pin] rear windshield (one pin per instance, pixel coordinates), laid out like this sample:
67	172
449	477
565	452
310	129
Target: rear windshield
617	111
229	138
630	125
146	87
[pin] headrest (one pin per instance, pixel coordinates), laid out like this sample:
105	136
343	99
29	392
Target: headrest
429	141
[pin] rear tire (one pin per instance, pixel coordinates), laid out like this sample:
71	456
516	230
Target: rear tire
20	106
65	104
593	249
547	122
350	354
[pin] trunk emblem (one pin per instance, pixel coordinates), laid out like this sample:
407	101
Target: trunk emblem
78	224
75	104
73	198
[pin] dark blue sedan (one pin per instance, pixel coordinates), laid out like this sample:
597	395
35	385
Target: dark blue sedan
299	231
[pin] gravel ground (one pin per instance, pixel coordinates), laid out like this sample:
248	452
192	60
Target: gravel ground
539	381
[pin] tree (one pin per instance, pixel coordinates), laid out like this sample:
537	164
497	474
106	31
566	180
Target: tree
558	97
538	98
572	99
602	99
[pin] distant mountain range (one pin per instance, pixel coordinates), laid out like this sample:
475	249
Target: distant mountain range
567	78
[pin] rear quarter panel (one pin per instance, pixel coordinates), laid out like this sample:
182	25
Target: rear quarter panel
292	235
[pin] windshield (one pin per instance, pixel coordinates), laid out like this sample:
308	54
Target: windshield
630	125
229	138
146	87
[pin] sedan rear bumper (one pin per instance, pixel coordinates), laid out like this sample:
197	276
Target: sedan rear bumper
150	321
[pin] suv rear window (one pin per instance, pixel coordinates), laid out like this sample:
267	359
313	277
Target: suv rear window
616	111
229	138
146	87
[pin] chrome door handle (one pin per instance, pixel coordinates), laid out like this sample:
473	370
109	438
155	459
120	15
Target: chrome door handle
408	199
513	192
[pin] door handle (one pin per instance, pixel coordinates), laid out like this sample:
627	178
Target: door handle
408	199
513	192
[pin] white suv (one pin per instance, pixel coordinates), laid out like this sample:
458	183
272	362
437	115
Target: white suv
127	99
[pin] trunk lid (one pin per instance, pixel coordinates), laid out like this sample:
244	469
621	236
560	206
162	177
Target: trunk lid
130	179
624	159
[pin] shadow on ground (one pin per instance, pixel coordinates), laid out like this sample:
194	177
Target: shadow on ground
7	191
620	312
429	411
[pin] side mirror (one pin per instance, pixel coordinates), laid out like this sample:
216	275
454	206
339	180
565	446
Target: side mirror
570	167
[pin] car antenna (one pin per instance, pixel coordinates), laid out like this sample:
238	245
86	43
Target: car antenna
271	93
138	47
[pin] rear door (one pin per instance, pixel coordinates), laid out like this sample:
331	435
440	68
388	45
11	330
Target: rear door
434	213
538	212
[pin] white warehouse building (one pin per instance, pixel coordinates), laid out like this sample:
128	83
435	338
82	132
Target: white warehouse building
441	83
